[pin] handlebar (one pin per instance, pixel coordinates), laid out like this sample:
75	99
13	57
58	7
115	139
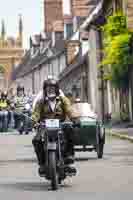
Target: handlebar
89	117
66	123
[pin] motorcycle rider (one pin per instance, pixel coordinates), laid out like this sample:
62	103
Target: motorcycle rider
4	101
53	105
20	101
4	110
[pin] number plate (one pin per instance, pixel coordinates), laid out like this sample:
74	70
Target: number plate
52	123
51	146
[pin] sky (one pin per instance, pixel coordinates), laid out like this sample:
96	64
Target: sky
32	15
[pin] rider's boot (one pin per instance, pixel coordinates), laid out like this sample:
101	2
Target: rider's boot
69	152
69	160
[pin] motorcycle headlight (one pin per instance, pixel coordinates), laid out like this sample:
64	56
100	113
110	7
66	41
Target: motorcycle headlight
27	107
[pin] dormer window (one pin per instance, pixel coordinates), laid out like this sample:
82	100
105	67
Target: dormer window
57	36
41	46
42	42
34	51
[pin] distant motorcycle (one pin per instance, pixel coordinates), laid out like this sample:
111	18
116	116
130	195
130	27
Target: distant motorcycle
11	120
53	140
25	124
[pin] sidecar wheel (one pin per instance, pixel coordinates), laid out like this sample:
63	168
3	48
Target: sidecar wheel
20	132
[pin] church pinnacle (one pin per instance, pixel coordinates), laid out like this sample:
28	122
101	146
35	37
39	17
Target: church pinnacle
3	32
20	25
20	31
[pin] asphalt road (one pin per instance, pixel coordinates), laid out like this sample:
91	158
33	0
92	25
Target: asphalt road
108	178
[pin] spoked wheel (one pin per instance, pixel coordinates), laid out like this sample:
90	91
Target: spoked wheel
53	170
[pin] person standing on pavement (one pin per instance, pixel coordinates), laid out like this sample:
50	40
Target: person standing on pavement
4	111
11	97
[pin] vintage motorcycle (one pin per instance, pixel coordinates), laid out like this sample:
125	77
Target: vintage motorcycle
53	139
25	125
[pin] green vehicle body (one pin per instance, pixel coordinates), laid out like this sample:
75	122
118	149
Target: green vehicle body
85	134
89	131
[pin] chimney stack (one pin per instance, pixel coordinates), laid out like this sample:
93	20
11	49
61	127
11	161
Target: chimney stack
80	8
53	11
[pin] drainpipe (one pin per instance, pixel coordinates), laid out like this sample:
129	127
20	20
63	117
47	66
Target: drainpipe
33	83
102	77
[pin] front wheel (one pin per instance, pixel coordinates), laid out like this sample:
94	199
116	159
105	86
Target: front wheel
53	170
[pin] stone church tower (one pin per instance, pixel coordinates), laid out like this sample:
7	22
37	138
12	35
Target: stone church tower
11	52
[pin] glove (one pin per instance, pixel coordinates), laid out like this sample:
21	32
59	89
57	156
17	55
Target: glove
36	125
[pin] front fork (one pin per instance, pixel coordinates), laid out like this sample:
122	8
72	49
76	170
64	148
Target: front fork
53	146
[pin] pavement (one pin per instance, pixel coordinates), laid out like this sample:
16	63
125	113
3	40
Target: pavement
108	178
122	130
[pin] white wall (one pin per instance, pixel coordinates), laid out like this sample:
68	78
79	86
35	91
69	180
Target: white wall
93	72
62	63
55	67
43	74
37	81
28	83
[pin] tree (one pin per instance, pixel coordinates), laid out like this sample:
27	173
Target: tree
117	57
2	69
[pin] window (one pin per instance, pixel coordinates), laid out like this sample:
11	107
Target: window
59	35
69	30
